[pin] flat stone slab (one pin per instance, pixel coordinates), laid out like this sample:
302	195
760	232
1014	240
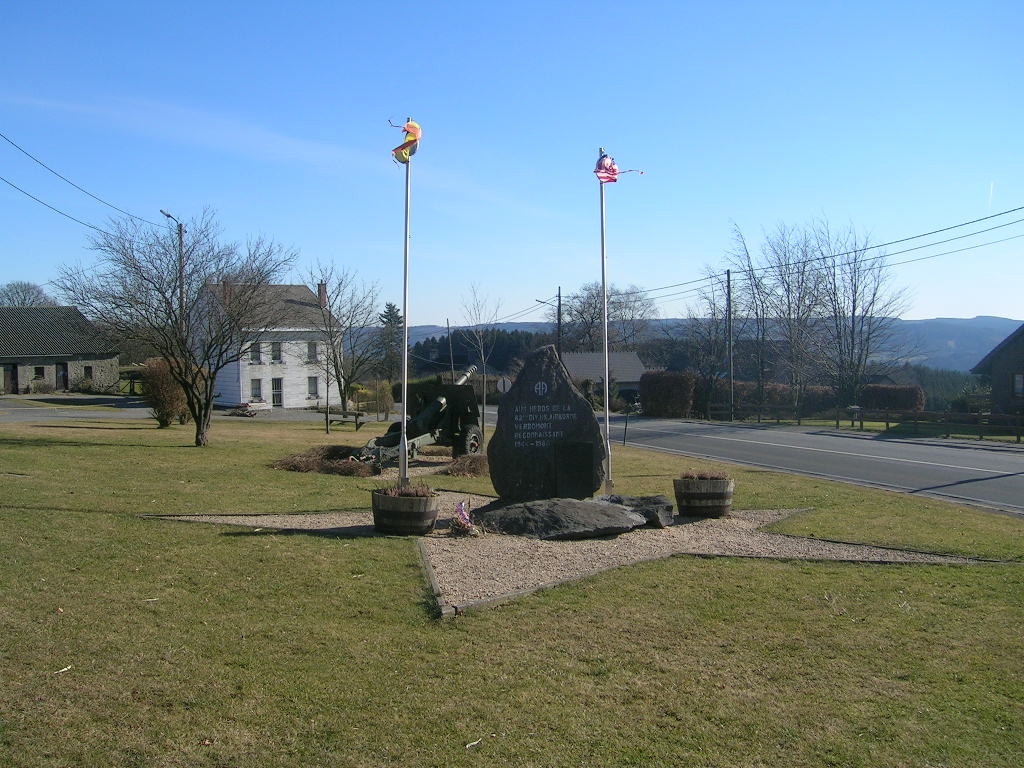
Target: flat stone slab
559	519
657	509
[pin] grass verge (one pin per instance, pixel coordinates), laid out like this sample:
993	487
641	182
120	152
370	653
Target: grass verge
138	642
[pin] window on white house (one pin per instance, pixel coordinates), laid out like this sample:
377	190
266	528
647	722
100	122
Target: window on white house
275	351
312	353
1018	385
40	372
256	389
314	386
87	372
255	354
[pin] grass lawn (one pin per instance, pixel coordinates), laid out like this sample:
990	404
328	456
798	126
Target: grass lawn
127	641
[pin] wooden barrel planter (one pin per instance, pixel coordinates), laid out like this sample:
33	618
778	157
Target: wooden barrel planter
703	496
404	515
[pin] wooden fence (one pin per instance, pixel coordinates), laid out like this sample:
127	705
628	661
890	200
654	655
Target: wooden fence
935	423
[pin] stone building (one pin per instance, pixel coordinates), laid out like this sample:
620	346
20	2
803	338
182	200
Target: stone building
53	349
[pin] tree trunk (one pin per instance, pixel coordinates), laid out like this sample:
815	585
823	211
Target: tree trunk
203	428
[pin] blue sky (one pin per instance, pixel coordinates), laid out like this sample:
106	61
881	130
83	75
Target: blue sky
898	118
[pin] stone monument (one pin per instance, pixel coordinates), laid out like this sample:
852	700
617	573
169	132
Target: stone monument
547	443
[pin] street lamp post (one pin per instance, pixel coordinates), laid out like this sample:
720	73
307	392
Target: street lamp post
181	264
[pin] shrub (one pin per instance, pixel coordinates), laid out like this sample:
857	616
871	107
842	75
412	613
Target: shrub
377	398
163	394
887	396
470	465
667	394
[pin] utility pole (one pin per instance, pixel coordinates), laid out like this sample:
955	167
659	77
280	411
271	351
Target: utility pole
451	350
728	333
558	337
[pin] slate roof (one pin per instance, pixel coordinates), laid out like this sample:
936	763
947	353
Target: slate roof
622	366
290	306
50	332
985	366
296	306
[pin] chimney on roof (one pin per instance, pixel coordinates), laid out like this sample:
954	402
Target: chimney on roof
321	290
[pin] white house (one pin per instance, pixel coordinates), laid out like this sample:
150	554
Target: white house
287	367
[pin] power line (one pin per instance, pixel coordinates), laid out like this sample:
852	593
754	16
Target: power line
64	178
880	245
696	290
693	287
521	313
55	210
958	250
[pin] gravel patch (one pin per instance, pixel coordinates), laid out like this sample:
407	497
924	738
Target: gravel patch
471	571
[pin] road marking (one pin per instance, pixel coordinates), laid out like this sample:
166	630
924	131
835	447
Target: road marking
827	450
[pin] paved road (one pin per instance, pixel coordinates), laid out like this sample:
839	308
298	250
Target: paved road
70	406
969	472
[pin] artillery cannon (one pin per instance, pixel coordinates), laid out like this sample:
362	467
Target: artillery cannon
452	418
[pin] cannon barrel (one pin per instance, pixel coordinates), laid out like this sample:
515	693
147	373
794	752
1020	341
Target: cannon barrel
465	376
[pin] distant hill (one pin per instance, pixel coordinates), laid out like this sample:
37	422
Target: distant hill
955	343
944	342
421	332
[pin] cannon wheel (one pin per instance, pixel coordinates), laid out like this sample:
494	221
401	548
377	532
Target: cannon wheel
470	441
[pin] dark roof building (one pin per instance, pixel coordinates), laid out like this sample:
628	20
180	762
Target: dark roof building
1005	366
624	368
48	348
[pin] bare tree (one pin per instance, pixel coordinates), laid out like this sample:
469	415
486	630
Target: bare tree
752	310
21	294
479	315
630	311
707	341
860	311
793	278
197	301
348	313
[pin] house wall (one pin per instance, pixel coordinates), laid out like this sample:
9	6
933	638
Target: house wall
235	380
104	373
1009	362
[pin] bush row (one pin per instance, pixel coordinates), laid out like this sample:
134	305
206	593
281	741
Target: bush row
671	394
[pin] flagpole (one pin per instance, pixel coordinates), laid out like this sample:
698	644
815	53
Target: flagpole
608	484
403	445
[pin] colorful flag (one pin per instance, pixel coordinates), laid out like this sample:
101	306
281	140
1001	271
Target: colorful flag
407	148
607	171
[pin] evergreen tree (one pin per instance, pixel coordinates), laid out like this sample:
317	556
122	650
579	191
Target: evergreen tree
389	342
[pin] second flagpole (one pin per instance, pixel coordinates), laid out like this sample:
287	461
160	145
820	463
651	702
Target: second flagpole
608	484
